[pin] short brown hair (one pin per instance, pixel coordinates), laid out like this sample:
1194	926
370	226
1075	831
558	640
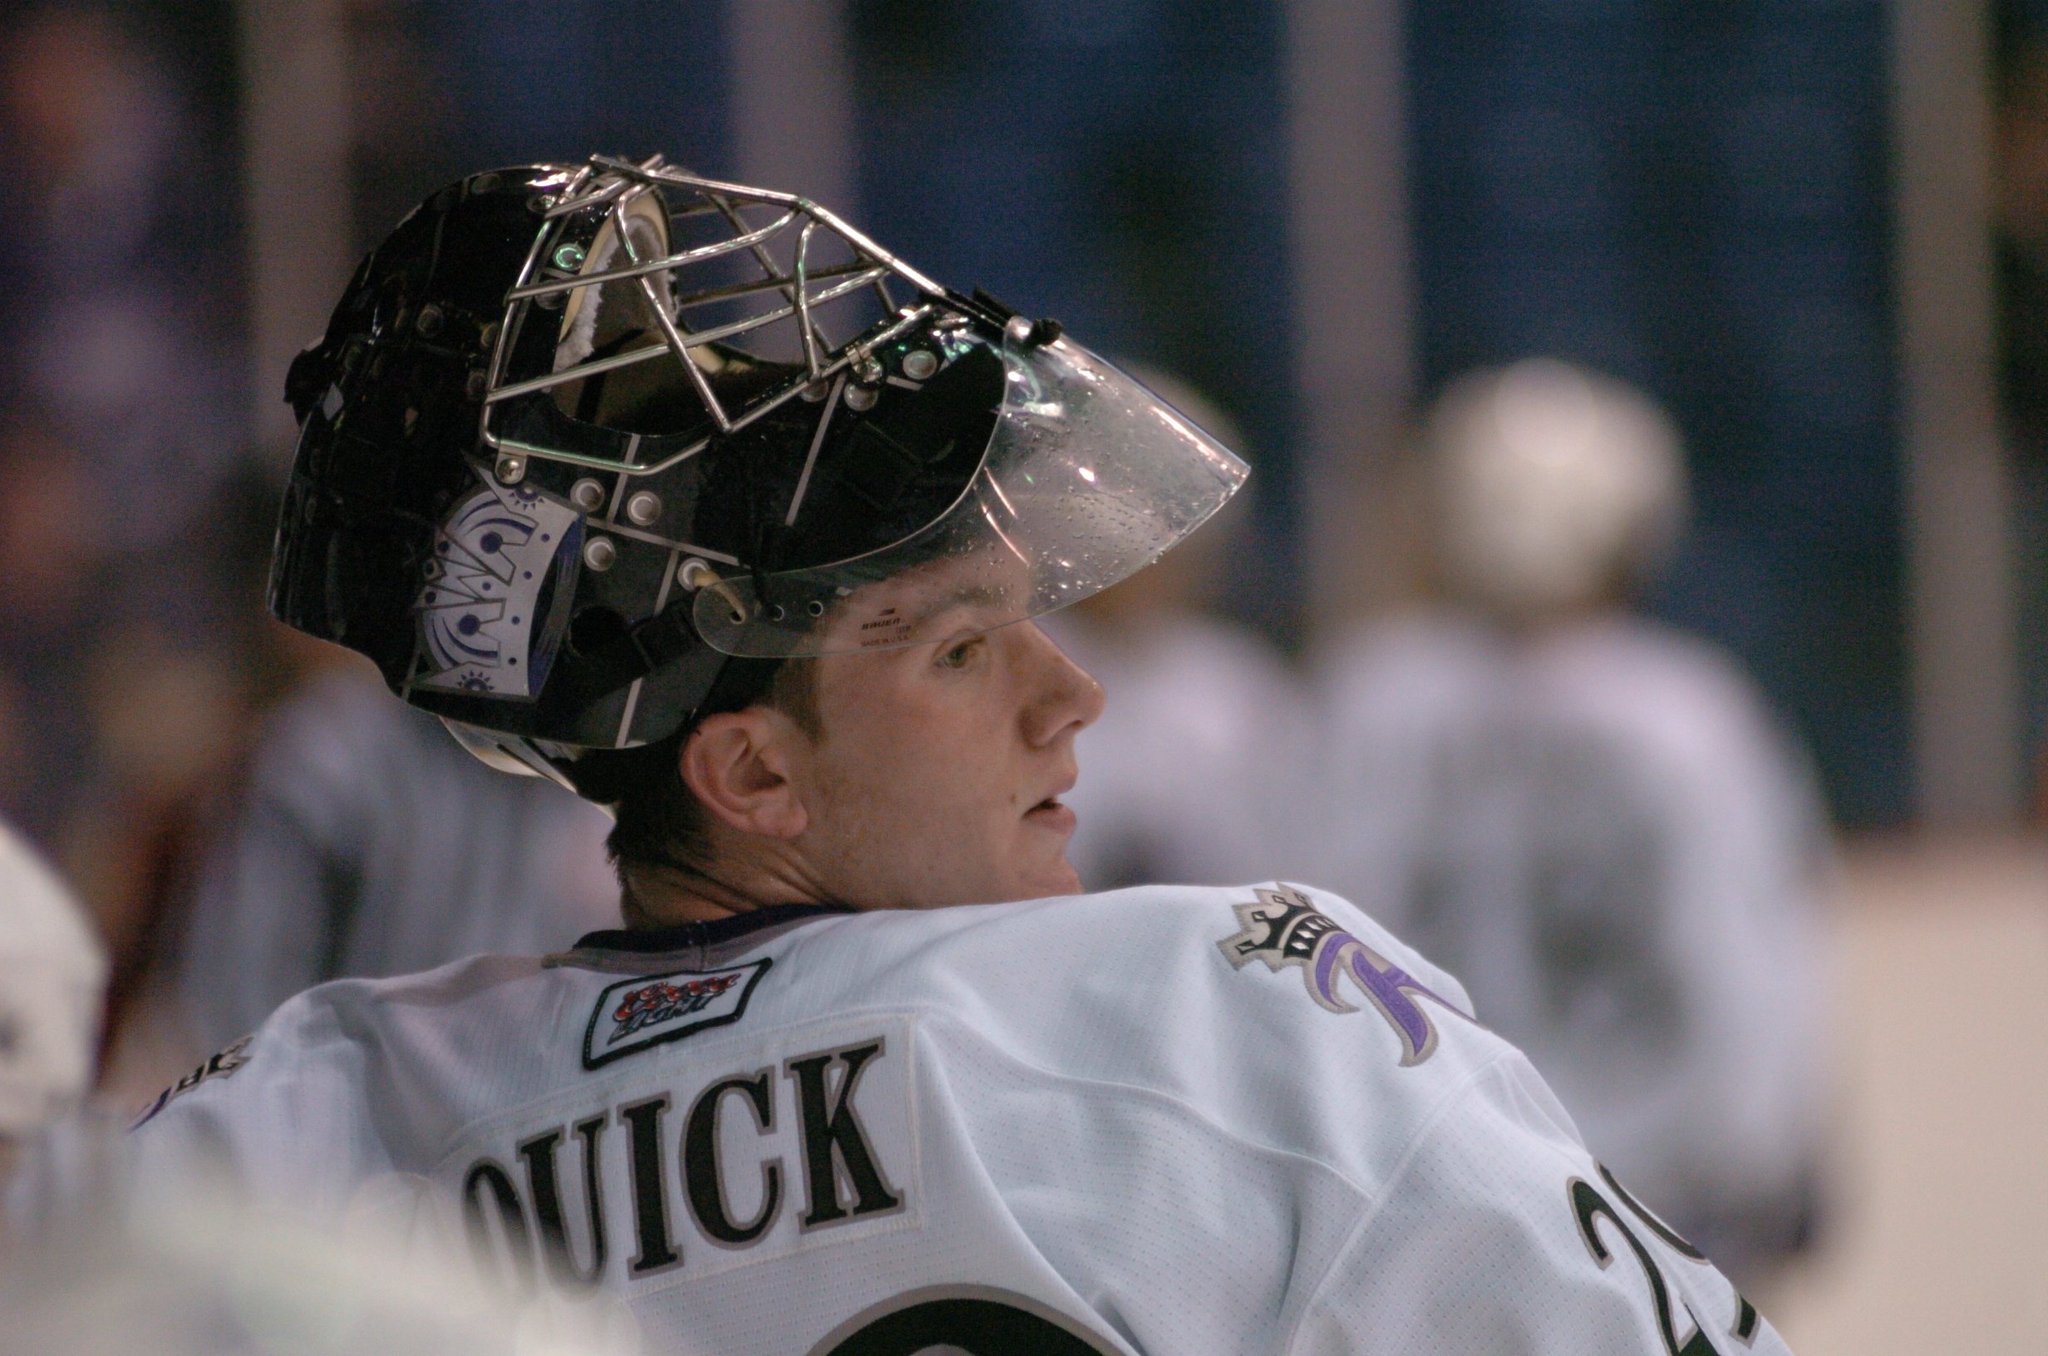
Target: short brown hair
660	822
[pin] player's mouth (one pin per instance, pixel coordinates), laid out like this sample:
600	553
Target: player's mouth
1052	813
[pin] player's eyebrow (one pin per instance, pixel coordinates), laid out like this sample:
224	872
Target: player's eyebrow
982	596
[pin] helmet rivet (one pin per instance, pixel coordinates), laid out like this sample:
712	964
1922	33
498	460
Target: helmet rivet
860	397
511	469
429	321
868	370
815	391
569	257
478	381
920	363
587	495
599	554
644	507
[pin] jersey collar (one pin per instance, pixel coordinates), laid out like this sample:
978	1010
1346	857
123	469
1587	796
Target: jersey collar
714	932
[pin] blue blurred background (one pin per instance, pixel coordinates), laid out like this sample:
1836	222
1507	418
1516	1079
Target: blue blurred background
1816	231
1695	198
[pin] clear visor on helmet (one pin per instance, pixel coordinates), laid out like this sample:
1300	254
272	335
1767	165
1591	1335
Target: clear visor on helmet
1088	478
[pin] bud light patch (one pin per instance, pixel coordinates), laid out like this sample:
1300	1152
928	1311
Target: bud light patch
653	1009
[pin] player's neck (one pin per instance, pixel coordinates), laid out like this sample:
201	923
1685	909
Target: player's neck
665	894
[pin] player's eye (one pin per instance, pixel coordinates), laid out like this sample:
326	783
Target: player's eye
957	655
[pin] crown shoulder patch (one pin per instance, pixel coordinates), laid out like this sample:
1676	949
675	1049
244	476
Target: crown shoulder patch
1282	927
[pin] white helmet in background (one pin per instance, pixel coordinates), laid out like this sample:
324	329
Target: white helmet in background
187	1265
52	976
1554	487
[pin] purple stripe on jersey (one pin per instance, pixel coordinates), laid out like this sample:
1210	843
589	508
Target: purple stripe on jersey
1283	927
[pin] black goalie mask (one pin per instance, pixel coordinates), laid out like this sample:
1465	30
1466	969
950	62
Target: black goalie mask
577	435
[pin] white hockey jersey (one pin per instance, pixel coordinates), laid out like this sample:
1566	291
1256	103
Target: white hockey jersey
1165	1119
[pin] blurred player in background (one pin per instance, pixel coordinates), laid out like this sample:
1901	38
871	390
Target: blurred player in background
52	972
117	429
2020	239
121	478
365	842
1591	818
692	497
194	1267
189	1266
1188	775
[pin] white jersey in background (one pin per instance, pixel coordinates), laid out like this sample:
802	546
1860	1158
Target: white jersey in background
1167	1120
368	843
1602	832
1192	771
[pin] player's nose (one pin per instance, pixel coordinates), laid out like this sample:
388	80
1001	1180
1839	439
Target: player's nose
1064	697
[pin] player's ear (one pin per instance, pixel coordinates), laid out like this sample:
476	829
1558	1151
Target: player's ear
738	765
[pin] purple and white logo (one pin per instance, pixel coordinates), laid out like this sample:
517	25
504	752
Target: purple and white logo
491	557
1283	927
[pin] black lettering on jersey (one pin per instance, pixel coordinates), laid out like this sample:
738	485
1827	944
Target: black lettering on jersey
1589	1207
650	1188
835	1146
1642	1212
545	1188
526	1227
702	1174
1746	1319
488	1197
232	1056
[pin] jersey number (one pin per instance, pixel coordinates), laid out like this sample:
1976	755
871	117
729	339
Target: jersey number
1588	1205
978	1320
